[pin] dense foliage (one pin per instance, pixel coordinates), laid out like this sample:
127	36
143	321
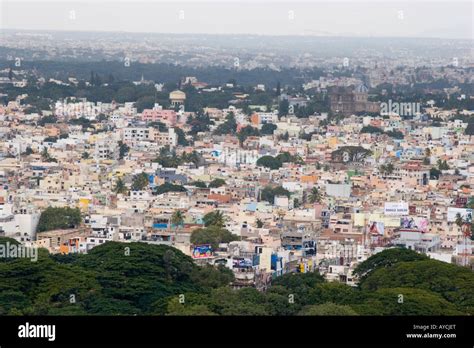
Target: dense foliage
168	187
138	278
277	162
268	193
114	278
59	218
213	235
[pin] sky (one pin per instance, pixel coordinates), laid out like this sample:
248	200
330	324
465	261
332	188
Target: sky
415	18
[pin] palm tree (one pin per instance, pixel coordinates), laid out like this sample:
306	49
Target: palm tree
177	219
390	168
45	154
120	186
315	196
440	164
214	219
459	220
259	223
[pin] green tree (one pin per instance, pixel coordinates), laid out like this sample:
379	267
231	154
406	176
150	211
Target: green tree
405	301
120	186
268	128
269	162
199	183
140	182
395	134
159	125
215	218
371	130
434	173
453	283
168	187
246	132
177	218
245	302
283	108
181	137
387	258
315	196
183	309
228	127
213	235
286	157
390	168
442	165
45	156
354	154
217	183
123	149
59	218
470	127
328	309
268	193
278	89
28	151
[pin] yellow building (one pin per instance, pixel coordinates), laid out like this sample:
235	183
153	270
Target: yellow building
177	97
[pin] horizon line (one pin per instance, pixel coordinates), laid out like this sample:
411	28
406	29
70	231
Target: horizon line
310	35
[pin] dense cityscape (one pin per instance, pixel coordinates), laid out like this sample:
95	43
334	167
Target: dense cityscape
235	175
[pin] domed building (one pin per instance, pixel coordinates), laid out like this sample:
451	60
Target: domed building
350	100
361	89
177	97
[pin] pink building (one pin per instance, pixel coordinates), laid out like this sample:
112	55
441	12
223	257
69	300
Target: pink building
167	117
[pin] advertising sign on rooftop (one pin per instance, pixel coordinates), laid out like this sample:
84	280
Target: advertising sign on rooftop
396	208
415	223
202	251
466	214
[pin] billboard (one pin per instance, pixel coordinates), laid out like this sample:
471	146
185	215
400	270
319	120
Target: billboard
309	248
396	208
241	262
415	223
466	214
338	190
376	228
202	251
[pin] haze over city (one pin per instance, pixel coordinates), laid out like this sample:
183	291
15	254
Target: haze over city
440	19
232	161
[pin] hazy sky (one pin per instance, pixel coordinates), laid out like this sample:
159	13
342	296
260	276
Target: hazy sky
416	18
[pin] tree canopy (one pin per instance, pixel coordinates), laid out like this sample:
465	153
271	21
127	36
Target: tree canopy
138	278
213	235
59	218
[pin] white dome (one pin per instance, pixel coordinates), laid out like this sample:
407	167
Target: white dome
361	89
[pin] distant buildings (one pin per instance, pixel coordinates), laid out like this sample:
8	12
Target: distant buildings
350	100
177	97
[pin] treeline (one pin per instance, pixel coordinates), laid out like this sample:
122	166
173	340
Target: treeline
167	73
112	279
395	134
138	278
41	97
